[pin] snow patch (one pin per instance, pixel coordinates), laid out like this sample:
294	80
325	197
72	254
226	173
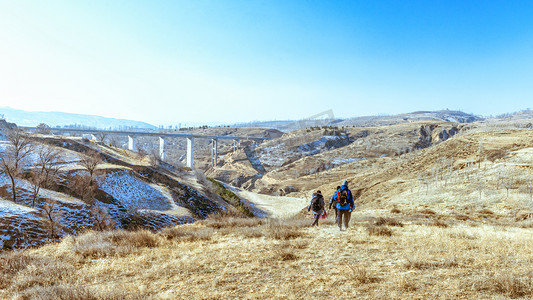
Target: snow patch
134	193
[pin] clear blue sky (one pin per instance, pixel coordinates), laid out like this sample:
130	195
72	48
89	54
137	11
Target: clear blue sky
166	62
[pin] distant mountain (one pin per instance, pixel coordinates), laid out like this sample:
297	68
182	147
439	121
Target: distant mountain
440	115
54	119
369	121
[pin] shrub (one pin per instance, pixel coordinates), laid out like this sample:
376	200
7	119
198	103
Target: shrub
462	217
229	197
141	238
285	255
379	231
439	223
395	211
427	211
360	274
229	221
187	234
388	221
279	230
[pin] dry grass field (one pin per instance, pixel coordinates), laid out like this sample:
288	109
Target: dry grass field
389	257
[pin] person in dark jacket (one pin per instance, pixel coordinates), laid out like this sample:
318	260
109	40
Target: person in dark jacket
317	206
344	212
333	202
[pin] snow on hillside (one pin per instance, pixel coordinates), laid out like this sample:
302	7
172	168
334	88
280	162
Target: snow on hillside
8	208
134	193
326	142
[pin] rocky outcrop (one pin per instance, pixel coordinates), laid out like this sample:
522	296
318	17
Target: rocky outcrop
434	134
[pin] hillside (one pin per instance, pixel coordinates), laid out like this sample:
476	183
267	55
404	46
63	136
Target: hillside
130	192
54	119
370	121
443	210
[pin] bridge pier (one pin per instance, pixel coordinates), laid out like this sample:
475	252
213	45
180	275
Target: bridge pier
162	150
190	152
214	152
131	142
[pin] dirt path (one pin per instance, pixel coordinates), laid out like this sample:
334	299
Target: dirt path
272	206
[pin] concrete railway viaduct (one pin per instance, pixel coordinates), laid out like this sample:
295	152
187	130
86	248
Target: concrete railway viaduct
162	143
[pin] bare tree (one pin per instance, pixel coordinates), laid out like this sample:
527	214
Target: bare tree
44	129
113	141
101	136
529	184
480	151
47	168
508	185
14	158
51	218
90	162
85	185
101	219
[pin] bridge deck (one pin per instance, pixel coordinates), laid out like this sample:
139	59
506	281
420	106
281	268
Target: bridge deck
155	134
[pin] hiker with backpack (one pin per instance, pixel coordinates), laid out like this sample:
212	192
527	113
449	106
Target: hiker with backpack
345	205
317	206
333	202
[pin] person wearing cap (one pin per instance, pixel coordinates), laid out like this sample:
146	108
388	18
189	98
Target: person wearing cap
344	212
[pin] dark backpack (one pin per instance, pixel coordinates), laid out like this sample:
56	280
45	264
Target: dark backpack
316	203
342	196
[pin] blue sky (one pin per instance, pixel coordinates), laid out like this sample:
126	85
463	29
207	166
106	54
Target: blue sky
169	62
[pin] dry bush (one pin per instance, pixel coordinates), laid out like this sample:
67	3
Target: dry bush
113	243
388	222
14	261
510	285
486	212
523	216
224	221
42	272
496	154
285	254
395	211
101	219
187	234
284	229
527	224
90	248
140	238
404	284
462	235
379	231
10	264
251	232
360	274
462	217
439	223
76	292
427	211
418	263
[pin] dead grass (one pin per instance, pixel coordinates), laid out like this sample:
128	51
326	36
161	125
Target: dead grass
279	259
